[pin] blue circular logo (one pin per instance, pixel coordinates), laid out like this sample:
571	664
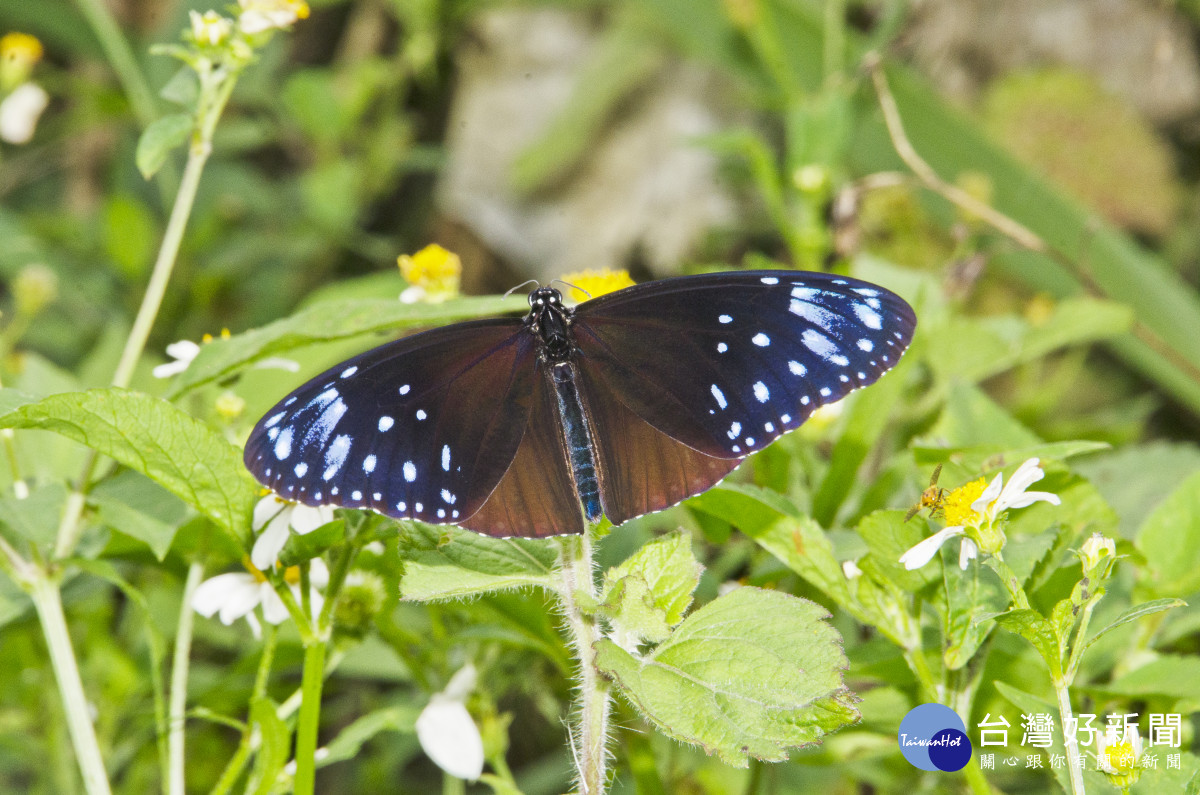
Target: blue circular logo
933	737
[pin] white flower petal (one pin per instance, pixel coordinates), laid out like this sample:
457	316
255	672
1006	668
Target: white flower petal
1030	497
183	350
450	738
265	510
318	573
267	545
169	369
305	518
412	295
241	598
966	553
274	610
20	111
461	684
211	594
989	494
255	627
924	551
1026	475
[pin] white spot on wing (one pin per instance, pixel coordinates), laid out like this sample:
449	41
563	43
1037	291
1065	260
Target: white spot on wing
785	419
761	392
448	498
369	464
726	318
275	419
769	280
283	445
839	360
349	371
734	430
769	427
301	469
818	343
869	317
335	456
818	316
761	340
722	347
445	458
866	345
719	395
797	368
825	391
356	495
421	414
404	389
385	422
410	472
273	434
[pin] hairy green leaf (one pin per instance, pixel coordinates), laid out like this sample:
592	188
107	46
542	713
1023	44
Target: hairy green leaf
751	674
155	438
448	563
649	592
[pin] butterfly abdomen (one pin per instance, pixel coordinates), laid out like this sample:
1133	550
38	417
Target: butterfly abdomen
578	438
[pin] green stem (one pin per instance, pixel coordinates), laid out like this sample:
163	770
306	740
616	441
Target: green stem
233	770
590	729
310	715
1066	717
179	677
835	40
48	602
920	668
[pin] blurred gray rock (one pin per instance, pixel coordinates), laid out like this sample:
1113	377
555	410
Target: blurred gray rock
642	188
1140	50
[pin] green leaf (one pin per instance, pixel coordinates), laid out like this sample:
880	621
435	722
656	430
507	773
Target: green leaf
649	593
183	88
155	438
969	595
327	322
159	139
1030	625
765	516
273	753
1170	540
140	508
1136	613
35	518
751	674
1176	676
449	563
869	414
302	547
350	739
971	418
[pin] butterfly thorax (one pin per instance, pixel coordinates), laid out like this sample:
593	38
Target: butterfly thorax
551	321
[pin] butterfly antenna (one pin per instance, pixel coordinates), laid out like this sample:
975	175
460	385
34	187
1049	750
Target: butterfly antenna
519	286
572	286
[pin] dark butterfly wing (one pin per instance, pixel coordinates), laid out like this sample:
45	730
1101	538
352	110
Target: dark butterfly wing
641	469
536	497
422	428
727	362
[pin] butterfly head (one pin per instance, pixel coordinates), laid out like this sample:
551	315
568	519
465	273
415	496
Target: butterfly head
551	321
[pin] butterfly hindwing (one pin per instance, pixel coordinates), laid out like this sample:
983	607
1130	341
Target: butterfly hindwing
537	496
727	362
423	427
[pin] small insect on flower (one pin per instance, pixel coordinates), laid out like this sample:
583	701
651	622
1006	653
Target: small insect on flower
932	498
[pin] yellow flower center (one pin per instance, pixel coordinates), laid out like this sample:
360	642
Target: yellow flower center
433	268
956	508
1121	756
20	47
593	284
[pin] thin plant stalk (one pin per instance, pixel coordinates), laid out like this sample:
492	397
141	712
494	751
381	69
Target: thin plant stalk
1070	741
179	677
237	763
310	716
48	602
589	731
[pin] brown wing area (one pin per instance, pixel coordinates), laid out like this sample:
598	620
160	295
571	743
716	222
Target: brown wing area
536	497
641	469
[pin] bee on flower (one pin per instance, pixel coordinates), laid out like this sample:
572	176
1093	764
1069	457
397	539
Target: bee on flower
972	512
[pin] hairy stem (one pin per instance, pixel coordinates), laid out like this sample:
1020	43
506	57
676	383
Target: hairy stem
179	678
1066	717
590	730
246	745
48	602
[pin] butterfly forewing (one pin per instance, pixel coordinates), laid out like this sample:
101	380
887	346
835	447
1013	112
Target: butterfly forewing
423	427
725	363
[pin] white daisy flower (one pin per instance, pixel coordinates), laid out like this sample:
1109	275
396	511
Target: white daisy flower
20	111
182	353
238	594
446	731
277	518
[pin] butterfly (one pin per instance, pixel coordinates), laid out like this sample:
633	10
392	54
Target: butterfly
623	405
